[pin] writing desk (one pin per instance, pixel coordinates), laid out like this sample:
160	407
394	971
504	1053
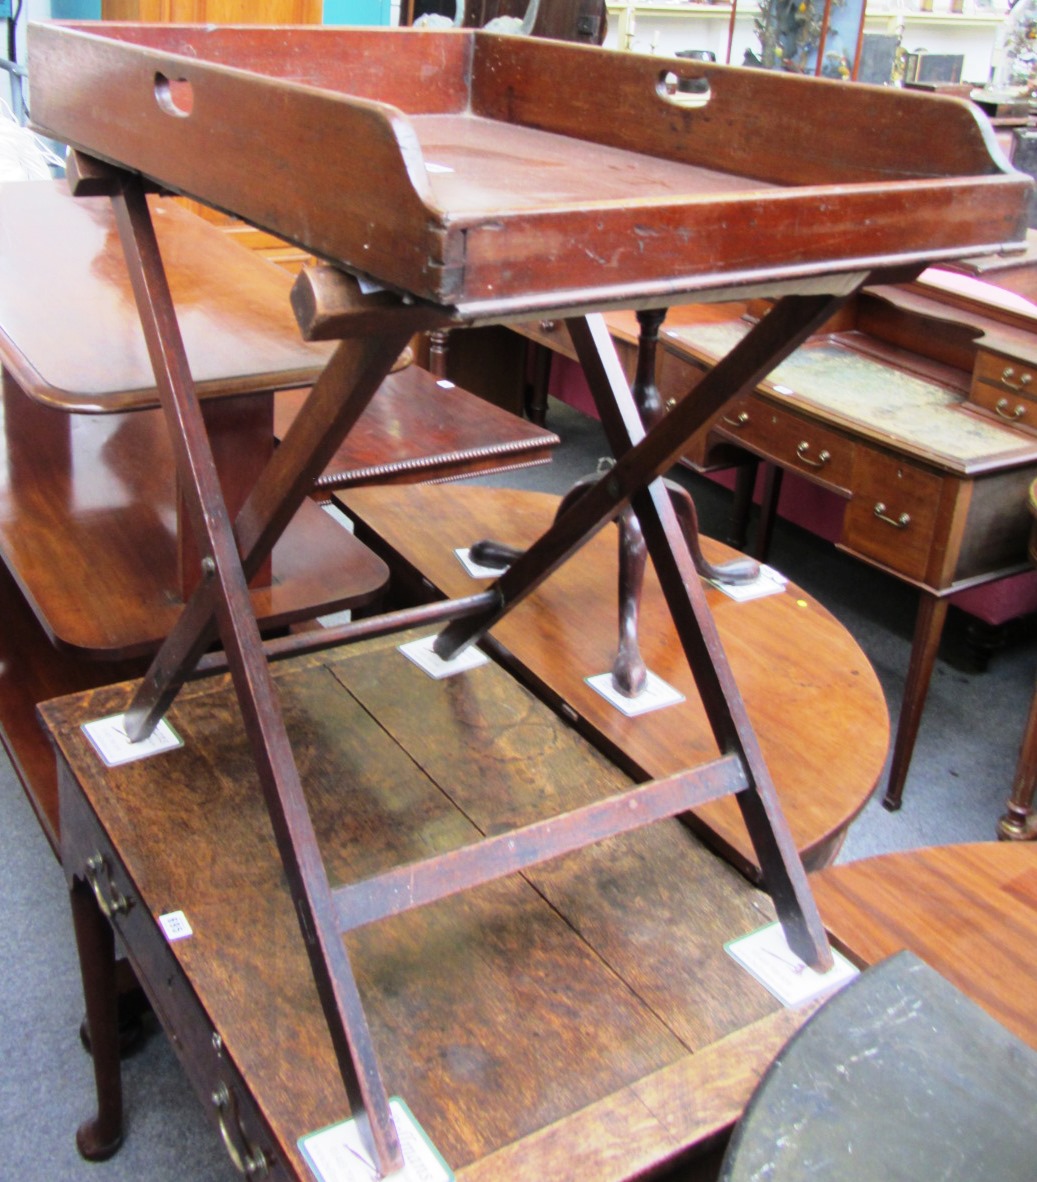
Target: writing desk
580	1020
812	696
900	408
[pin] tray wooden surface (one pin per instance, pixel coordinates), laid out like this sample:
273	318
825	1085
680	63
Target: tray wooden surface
498	174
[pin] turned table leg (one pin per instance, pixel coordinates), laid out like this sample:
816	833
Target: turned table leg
1018	822
100	1136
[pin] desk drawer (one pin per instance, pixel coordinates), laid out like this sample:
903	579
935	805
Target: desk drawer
892	516
1006	389
796	444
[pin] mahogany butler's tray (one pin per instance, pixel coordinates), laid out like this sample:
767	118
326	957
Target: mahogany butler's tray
484	172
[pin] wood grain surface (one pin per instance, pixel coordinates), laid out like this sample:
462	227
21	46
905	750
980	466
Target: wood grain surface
969	911
487	174
595	992
88	526
69	331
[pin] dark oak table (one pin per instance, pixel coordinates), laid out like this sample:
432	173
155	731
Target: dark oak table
582	1019
812	696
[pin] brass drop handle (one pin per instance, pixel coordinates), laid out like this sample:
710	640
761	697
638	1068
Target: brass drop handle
901	522
1008	373
823	456
740	421
1017	412
112	903
249	1160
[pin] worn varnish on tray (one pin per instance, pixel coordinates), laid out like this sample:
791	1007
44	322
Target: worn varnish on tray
493	173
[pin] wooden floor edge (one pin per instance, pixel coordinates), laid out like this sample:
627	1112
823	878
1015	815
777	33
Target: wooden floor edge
649	1122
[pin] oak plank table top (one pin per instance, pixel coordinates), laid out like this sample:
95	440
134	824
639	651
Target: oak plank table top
579	1020
969	911
811	694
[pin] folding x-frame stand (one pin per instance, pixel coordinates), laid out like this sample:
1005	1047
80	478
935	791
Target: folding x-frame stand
373	330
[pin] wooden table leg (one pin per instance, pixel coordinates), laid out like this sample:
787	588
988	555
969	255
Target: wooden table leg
932	614
770	341
772	481
539	364
100	1136
223	597
782	870
1019	822
742	502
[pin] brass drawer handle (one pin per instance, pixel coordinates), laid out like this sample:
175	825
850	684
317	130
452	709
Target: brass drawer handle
1008	373
901	522
741	421
548	325
1001	409
114	902
823	456
249	1160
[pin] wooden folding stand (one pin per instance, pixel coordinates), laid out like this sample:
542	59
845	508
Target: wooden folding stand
813	277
